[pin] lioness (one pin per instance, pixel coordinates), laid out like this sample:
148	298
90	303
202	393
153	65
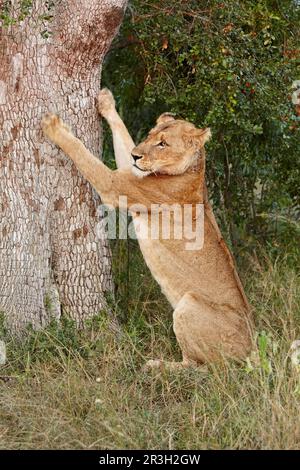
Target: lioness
212	318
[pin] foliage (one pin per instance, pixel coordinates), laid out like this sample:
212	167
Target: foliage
229	65
12	14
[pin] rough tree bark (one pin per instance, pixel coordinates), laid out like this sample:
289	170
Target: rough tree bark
53	256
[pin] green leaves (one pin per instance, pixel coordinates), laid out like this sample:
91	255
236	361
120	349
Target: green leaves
11	14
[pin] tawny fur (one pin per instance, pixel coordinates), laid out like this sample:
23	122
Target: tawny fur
212	318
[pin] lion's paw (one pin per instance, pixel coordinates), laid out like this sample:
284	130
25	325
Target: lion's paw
51	124
106	102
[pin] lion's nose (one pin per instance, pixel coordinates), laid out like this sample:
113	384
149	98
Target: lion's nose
136	157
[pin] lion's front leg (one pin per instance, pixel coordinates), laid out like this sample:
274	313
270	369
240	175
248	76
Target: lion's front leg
123	143
99	175
113	186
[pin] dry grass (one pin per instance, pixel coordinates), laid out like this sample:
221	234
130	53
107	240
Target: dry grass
86	390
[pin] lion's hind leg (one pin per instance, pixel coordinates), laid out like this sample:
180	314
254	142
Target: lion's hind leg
206	334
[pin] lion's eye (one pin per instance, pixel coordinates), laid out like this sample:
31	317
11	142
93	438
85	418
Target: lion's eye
162	144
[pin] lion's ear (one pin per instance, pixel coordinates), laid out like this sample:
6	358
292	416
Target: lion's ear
198	137
165	117
204	135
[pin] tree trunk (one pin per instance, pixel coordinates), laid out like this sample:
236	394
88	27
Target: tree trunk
53	254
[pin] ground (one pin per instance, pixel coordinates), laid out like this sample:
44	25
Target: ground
87	390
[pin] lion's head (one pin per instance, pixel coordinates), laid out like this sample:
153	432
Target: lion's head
172	147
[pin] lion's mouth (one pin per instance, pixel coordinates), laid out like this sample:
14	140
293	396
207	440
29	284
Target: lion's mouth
139	172
141	169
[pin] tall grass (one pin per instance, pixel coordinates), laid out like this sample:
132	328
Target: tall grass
86	390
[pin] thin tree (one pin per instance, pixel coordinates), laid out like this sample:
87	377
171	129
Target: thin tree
53	255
